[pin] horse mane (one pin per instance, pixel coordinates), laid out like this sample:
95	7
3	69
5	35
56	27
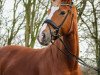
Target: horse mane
72	39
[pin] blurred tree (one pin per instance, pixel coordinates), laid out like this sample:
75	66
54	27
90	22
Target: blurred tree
89	24
1	6
12	32
34	18
27	17
81	7
11	22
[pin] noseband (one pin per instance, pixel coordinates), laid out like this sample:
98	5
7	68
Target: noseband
57	28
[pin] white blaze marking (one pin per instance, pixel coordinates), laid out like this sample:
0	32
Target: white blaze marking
41	30
53	10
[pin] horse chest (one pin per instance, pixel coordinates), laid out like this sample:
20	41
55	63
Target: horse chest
49	68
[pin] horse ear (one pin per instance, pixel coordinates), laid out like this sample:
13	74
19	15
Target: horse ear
56	2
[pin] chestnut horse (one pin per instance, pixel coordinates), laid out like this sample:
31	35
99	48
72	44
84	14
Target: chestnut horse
60	23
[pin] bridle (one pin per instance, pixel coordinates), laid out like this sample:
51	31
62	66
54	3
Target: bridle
57	28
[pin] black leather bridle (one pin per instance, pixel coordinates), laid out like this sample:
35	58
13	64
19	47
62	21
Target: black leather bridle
58	27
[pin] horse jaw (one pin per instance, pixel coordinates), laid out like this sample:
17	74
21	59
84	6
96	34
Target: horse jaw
47	39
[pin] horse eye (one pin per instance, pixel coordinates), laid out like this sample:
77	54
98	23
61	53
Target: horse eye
62	13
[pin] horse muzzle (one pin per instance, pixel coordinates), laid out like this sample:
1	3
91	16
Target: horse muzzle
44	38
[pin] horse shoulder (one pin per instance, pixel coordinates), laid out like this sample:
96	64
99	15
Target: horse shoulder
17	58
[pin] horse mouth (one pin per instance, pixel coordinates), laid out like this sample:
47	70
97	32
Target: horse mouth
43	43
44	40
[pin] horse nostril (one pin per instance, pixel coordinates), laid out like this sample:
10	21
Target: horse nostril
43	35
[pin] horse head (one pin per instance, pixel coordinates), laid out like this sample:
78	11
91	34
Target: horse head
58	22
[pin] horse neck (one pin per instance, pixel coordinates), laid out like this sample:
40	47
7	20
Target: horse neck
71	40
71	43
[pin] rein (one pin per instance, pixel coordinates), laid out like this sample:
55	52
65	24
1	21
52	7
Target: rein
77	58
